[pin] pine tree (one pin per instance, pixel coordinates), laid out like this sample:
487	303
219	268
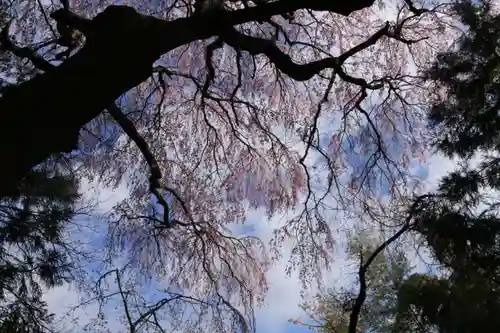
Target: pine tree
32	254
460	222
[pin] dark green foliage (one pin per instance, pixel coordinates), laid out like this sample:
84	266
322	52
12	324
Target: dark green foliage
420	300
32	252
460	303
467	119
460	222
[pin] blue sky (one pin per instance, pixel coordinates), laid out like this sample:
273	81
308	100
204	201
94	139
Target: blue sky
284	296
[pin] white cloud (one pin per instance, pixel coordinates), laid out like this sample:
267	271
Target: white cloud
62	301
281	301
72	314
438	166
284	296
286	292
102	198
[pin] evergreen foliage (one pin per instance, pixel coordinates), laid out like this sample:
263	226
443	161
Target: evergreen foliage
32	254
460	222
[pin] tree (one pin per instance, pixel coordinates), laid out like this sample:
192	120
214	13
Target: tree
100	54
33	251
332	310
208	138
392	298
459	222
96	66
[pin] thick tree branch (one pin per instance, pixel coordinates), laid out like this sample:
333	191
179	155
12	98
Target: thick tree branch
128	127
41	116
72	20
154	169
300	72
303	72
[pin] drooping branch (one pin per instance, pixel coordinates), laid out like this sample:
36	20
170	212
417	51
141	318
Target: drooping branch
155	172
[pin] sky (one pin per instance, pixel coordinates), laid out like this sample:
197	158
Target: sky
284	294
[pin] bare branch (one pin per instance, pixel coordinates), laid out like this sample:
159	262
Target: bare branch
360	299
124	301
23	52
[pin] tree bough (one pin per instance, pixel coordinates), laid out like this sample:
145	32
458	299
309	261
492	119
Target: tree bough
43	116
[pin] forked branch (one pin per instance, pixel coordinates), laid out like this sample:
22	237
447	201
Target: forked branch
303	72
363	269
23	52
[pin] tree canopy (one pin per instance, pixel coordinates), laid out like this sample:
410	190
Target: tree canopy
316	115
